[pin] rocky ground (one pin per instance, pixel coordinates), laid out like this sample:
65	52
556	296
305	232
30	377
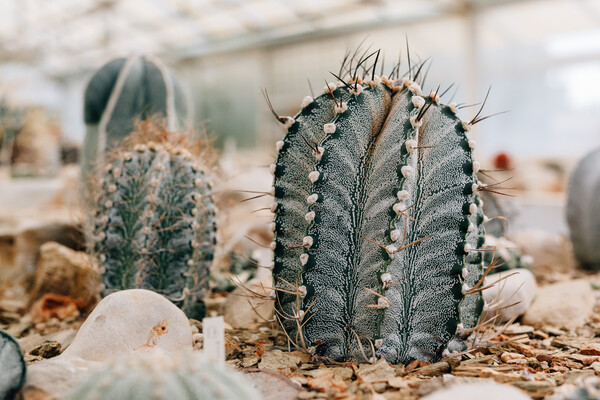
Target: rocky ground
559	348
48	289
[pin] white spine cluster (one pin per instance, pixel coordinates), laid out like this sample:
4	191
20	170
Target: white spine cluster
303	258
329	128
339	109
414	123
306	101
314	176
418	101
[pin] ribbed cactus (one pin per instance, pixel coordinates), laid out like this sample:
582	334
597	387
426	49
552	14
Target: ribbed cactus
157	375
377	222
123	91
154	224
12	367
583	211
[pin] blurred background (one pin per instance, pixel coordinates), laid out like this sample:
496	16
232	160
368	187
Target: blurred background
540	57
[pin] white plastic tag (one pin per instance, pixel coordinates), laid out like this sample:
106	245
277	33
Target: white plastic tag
213	329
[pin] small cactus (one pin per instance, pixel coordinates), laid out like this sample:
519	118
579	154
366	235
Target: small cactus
12	366
154	222
377	223
125	90
158	375
583	211
504	254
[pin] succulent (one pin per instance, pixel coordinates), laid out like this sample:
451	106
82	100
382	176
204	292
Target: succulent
154	221
125	90
377	223
504	254
583	211
12	366
159	375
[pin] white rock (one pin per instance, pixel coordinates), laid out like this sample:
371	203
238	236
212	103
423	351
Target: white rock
123	322
561	305
519	288
478	391
131	320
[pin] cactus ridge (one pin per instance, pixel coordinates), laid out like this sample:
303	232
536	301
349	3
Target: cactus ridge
155	225
376	220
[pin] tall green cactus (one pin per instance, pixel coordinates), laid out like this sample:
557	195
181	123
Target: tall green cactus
377	219
123	91
12	366
157	375
154	225
583	211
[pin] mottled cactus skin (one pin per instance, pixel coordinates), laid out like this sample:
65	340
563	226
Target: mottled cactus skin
126	90
156	375
12	367
583	211
373	172
154	225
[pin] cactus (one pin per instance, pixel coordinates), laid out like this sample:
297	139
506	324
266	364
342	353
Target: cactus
12	367
377	223
123	91
154	224
158	375
583	211
505	255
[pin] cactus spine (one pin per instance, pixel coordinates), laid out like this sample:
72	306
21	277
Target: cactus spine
123	91
583	211
154	225
12	366
377	218
158	375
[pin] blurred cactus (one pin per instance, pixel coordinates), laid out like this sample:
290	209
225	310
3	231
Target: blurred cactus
157	375
123	91
154	224
11	122
583	211
12	366
377	222
505	255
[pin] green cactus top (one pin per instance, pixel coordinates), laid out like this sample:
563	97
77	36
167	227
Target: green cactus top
159	375
123	91
377	222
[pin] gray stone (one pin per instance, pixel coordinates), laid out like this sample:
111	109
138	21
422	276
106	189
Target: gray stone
561	305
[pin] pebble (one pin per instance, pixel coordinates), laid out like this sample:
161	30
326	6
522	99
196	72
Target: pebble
511	295
561	305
